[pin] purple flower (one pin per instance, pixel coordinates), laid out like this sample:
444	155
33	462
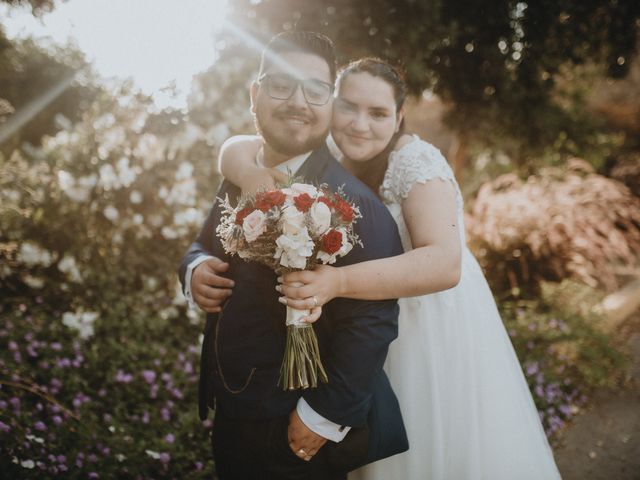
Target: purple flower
13	346
63	362
199	465
4	428
165	414
145	417
40	426
532	368
165	457
188	368
123	377
93	475
57	346
149	376
170	438
57	420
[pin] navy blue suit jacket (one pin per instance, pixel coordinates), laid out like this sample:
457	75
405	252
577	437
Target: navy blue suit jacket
243	346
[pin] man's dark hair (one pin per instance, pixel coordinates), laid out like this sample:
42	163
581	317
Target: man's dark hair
307	42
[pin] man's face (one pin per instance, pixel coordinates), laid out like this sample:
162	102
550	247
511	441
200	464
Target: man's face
292	126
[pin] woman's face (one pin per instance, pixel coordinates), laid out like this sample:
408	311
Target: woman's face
364	116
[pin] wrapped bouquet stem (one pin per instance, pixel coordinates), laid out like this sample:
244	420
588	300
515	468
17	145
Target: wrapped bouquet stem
301	365
288	229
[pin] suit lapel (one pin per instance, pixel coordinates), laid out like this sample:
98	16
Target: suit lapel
313	168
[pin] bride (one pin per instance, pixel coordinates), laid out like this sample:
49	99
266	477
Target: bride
467	407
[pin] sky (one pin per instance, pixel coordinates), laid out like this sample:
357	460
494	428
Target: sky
155	42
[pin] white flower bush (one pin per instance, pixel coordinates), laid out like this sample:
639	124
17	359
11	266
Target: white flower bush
93	224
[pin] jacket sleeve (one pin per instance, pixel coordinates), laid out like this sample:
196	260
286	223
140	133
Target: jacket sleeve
360	331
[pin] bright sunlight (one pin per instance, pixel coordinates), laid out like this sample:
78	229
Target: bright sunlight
159	43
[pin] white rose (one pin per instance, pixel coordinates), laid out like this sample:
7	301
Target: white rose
254	225
304	188
297	188
292	221
294	249
320	215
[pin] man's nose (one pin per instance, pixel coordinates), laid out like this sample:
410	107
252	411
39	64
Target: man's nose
297	98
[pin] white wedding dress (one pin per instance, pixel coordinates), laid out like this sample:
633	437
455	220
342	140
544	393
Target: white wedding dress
466	405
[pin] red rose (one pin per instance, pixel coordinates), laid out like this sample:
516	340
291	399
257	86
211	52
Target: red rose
345	210
331	242
241	214
303	202
265	201
327	202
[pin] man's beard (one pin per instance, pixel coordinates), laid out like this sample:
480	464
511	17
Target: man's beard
281	143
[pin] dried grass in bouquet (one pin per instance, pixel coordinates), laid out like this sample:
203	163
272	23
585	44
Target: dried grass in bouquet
288	229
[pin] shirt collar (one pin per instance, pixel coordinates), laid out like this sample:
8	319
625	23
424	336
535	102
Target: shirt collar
292	165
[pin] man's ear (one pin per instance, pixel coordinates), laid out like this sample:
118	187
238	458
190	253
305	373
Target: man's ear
253	94
399	118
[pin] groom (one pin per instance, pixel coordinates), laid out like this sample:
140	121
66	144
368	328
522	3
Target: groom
261	431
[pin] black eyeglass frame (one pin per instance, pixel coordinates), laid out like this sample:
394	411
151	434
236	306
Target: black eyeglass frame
299	82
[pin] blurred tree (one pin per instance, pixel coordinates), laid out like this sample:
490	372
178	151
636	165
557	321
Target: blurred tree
32	75
496	62
38	7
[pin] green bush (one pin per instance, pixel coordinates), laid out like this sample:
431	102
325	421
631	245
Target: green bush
564	351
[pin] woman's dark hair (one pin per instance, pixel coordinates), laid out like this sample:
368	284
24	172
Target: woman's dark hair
372	171
294	41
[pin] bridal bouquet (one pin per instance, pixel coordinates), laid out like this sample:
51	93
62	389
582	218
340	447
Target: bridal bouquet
287	229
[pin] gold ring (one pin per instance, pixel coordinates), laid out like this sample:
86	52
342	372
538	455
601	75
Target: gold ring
302	452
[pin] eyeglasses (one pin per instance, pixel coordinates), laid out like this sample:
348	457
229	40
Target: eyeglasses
282	87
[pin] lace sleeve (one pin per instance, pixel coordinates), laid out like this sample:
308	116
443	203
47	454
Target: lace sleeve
416	162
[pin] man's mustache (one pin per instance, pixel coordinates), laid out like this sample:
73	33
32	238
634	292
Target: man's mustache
295	113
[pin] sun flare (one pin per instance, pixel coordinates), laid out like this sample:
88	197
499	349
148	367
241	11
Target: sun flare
157	43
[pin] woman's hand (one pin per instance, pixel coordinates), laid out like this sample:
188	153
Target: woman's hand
311	289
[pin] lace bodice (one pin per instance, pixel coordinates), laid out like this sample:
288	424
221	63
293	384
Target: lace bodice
416	162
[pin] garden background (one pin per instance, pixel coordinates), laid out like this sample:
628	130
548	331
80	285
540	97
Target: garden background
535	104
